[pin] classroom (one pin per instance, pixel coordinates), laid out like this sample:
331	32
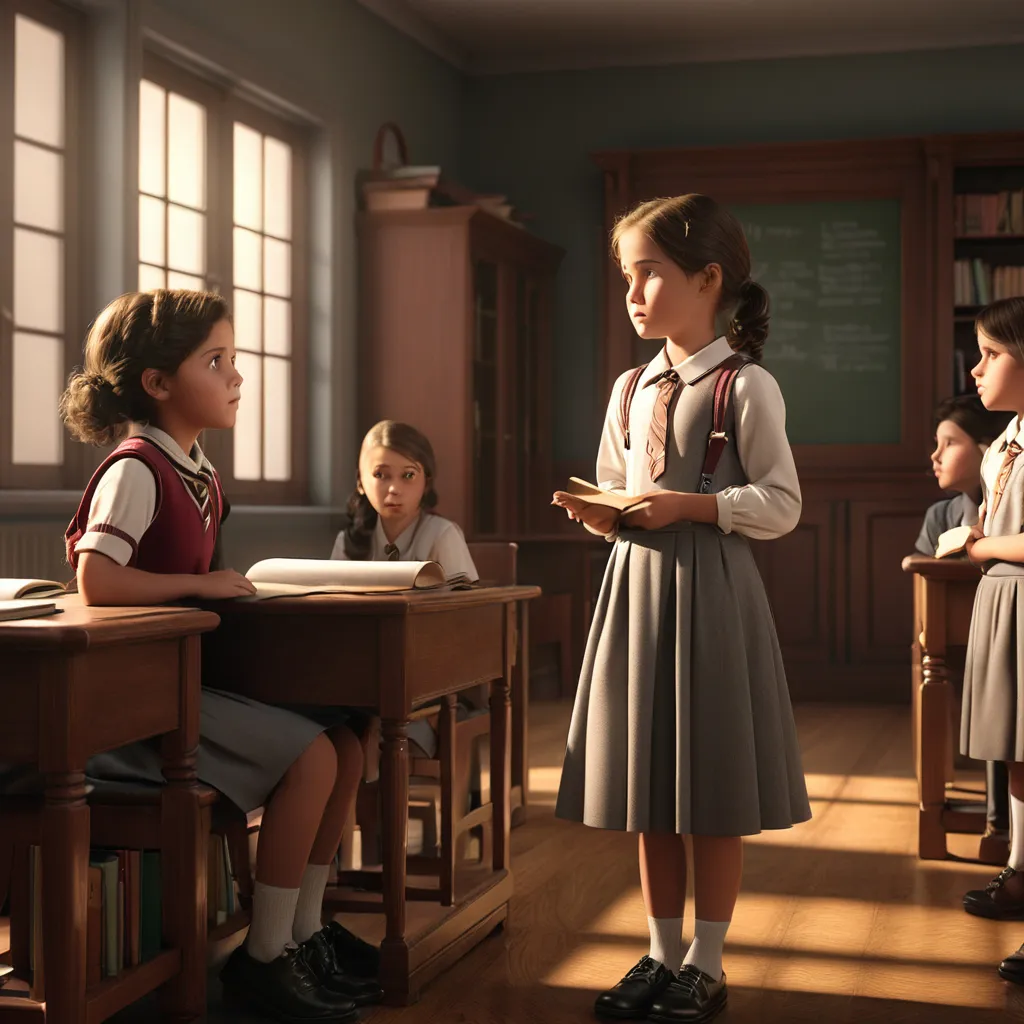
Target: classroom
332	328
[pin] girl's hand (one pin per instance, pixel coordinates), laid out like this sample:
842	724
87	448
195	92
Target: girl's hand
974	555
600	518
666	507
223	584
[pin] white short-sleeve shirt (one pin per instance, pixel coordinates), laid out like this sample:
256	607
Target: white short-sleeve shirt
430	538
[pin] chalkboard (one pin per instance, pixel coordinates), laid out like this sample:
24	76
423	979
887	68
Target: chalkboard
832	271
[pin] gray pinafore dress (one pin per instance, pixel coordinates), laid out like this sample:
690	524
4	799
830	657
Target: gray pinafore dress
992	718
682	721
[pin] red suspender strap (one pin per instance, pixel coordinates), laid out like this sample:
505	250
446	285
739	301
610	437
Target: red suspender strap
626	399
718	439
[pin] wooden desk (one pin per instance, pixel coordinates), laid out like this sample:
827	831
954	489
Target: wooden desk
391	653
73	685
943	602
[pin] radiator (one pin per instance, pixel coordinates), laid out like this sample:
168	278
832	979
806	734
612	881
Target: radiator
33	549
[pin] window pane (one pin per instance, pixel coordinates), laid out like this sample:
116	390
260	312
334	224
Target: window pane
248	260
38	281
277	326
38	187
193	284
277	423
186	146
37	381
151	277
277	188
151	230
248	177
248	425
277	267
186	249
152	138
38	82
248	328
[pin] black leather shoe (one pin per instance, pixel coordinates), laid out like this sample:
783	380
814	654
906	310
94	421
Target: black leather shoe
634	996
693	997
353	954
285	989
323	962
1002	899
1012	968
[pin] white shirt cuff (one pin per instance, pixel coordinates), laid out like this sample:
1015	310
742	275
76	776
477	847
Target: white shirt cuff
724	512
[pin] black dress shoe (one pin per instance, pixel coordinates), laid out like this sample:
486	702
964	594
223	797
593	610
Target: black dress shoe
320	956
1002	899
353	954
1012	968
634	996
285	989
692	997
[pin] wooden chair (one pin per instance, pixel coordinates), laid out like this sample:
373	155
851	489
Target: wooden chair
448	775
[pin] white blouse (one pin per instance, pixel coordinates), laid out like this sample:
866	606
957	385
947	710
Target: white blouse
766	507
125	498
992	462
429	538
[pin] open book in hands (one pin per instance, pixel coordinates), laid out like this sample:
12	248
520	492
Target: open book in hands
594	495
293	577
952	542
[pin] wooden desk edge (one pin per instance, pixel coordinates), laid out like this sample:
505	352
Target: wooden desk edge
944	569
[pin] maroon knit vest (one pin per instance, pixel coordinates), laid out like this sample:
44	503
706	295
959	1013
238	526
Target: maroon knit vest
177	540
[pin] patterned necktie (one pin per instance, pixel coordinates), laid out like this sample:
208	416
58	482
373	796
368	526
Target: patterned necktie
667	383
391	550
1013	449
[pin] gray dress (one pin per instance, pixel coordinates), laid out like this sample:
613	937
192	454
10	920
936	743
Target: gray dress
992	719
682	721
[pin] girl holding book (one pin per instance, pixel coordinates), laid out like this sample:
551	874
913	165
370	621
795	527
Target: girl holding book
391	515
159	369
992	727
682	724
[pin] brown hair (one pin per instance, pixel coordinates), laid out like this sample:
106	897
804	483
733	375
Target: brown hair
968	413
407	441
693	231
138	331
1003	321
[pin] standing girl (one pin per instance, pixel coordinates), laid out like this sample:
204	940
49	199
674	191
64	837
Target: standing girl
682	724
160	368
992	727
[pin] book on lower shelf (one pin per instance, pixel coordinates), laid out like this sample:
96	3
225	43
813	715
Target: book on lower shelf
297	577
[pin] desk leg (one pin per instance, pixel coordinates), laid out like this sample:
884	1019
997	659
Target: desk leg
933	746
501	753
65	859
520	717
394	790
184	835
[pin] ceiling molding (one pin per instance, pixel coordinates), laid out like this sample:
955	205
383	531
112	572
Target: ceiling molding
398	14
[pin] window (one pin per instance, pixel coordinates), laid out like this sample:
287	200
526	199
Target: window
222	199
40	323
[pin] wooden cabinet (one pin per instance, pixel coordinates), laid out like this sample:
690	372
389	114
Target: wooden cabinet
455	338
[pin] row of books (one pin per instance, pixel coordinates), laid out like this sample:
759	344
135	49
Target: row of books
977	283
997	213
123	923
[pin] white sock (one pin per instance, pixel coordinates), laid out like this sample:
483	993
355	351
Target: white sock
1016	860
705	952
309	908
273	911
667	941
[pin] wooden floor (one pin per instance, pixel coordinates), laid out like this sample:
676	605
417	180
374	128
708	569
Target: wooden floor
838	921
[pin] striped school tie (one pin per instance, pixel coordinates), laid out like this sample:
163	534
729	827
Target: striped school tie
657	432
1013	449
392	552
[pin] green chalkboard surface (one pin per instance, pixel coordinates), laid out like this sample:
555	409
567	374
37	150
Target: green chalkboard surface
833	273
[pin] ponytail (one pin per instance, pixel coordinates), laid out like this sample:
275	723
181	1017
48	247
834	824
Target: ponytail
748	328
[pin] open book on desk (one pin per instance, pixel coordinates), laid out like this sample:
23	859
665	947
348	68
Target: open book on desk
594	495
17	590
294	577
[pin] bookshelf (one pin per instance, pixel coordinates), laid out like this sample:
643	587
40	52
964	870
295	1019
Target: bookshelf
987	244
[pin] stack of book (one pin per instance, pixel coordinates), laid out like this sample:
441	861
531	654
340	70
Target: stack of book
416	188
